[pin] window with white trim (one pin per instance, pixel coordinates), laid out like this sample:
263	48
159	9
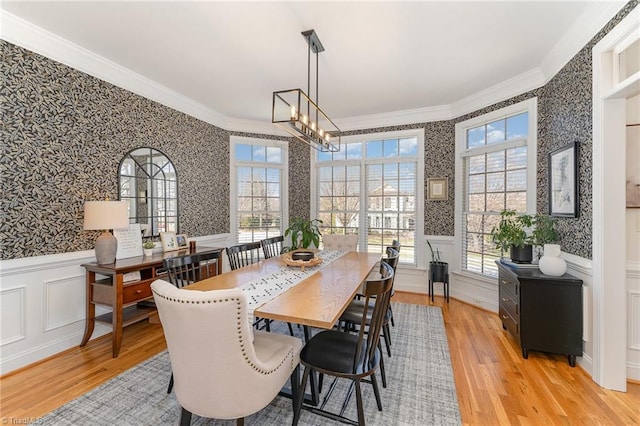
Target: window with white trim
369	188
258	188
496	164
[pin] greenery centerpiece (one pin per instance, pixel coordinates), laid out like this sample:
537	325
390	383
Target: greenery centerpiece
148	247
303	233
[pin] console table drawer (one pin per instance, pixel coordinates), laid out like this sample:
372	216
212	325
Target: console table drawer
509	323
135	292
510	305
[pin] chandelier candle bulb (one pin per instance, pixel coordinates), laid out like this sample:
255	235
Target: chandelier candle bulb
293	113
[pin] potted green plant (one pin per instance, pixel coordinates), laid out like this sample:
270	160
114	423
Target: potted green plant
513	234
438	269
303	233
148	247
544	231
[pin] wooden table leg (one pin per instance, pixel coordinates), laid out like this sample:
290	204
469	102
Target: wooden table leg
116	315
90	321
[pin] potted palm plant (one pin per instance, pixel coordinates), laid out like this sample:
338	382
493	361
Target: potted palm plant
513	234
303	233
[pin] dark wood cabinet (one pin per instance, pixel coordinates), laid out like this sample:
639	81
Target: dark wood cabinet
543	313
127	295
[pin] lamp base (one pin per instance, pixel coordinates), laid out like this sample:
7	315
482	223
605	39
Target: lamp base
106	248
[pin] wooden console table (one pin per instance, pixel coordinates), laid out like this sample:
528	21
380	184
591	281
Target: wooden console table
106	286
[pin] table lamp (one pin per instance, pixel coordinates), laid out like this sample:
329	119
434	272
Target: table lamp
106	215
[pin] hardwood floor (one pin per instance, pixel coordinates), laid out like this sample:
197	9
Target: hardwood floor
495	384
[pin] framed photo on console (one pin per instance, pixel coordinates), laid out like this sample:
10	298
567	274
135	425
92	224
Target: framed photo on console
181	240
563	181
169	241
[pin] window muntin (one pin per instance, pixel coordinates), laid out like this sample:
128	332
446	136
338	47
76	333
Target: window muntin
259	169
374	179
498	172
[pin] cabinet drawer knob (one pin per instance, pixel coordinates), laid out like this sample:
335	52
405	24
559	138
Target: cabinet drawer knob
504	299
504	317
138	291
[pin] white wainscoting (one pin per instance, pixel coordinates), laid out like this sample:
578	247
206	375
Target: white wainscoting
42	301
633	320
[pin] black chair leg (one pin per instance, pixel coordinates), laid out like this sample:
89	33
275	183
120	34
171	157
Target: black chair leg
376	391
170	384
290	328
295	384
382	373
303	386
359	403
387	340
393	324
185	418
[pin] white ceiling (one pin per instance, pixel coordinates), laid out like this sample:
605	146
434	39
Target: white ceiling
380	57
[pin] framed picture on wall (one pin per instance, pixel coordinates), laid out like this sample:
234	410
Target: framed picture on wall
563	181
169	241
437	189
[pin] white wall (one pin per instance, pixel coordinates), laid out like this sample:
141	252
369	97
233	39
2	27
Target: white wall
633	247
42	304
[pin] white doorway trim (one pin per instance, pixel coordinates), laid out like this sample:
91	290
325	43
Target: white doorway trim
609	257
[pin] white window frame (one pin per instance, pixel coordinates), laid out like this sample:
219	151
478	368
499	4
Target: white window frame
531	107
233	183
420	244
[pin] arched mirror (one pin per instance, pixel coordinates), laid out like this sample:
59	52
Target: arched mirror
149	182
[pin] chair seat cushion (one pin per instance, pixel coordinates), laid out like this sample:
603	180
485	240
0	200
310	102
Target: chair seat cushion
334	351
267	345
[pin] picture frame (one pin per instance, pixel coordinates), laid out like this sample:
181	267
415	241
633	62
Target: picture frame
563	181
181	240
169	242
437	189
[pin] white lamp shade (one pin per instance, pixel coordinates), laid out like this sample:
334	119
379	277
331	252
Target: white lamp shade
99	215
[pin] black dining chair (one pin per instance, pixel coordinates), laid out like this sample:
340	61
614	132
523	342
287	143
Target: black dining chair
351	317
188	269
246	254
351	356
243	254
272	247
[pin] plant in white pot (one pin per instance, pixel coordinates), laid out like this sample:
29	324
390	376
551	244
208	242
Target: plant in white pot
148	247
546	235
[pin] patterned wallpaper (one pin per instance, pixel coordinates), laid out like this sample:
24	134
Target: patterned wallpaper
63	136
64	133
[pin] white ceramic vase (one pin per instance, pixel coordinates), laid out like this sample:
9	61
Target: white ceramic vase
148	252
551	263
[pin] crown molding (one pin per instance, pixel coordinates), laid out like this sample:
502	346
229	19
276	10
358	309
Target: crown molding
23	33
36	39
578	35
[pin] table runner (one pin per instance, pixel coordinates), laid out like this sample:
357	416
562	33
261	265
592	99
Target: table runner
262	290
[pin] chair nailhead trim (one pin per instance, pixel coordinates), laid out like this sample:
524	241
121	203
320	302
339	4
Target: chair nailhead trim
239	331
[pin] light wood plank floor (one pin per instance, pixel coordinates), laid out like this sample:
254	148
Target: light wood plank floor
495	384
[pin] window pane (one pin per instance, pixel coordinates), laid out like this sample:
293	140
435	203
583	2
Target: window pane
374	149
518	126
243	152
517	180
408	147
475	137
274	154
496	132
354	151
391	148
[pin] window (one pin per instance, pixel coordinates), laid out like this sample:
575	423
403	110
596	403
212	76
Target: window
496	163
149	183
257	188
369	188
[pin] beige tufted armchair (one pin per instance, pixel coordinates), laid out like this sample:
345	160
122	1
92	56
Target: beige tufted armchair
218	371
340	242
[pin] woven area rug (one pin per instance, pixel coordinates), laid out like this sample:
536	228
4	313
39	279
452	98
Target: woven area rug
420	387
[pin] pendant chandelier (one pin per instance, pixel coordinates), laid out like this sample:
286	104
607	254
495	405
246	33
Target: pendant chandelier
295	112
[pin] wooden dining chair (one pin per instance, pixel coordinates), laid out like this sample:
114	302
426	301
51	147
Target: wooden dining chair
350	356
222	368
340	242
272	247
188	269
244	254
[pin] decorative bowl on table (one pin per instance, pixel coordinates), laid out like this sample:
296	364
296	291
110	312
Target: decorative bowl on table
301	259
302	255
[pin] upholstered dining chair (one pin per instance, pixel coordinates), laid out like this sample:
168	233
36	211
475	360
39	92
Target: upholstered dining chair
340	242
189	268
352	316
244	254
220	372
350	356
272	247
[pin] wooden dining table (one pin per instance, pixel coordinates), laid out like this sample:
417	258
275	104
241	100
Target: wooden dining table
317	301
